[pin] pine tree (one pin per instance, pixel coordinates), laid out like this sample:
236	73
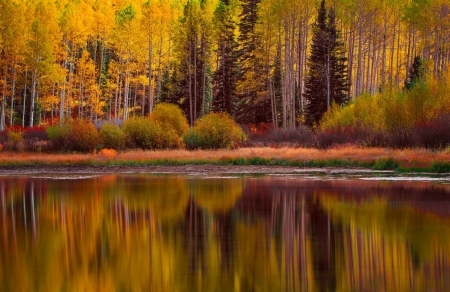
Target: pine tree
225	76
253	104
190	78
415	73
326	82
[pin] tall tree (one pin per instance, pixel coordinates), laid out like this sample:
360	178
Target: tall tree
225	76
415	73
254	104
193	57
326	81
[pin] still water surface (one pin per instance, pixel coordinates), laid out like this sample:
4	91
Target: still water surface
184	233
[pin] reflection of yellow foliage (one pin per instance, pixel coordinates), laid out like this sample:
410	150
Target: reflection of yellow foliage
217	195
402	239
167	198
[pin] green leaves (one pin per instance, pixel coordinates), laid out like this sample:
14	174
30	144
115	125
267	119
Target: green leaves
125	15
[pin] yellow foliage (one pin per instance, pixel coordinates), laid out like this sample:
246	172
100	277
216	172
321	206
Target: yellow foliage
147	134
112	136
393	109
170	115
215	130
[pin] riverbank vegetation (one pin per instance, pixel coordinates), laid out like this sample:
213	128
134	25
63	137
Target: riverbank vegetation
348	156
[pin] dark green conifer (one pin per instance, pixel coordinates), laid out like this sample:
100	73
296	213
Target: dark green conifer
226	74
326	81
415	73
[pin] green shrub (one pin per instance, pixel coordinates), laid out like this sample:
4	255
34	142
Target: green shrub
112	136
83	136
213	131
167	114
141	132
58	135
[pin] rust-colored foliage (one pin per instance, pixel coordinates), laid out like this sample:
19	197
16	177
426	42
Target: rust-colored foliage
108	153
83	136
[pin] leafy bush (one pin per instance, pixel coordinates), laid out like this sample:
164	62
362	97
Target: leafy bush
15	139
146	134
112	136
108	153
142	133
35	133
414	118
83	136
434	133
213	131
167	114
58	135
170	138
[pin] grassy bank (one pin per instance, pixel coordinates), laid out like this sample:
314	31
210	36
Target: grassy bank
375	158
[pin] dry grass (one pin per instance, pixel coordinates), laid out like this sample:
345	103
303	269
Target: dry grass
407	158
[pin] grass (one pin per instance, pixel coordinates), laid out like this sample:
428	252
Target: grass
348	156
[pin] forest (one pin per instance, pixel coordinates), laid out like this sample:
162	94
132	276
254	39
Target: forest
110	60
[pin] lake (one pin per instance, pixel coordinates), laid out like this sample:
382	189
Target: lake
133	232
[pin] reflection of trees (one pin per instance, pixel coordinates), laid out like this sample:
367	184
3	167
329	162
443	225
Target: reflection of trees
196	236
151	233
399	249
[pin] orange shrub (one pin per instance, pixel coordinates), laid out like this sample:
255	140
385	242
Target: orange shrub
108	153
83	136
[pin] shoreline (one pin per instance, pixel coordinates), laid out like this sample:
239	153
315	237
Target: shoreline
206	170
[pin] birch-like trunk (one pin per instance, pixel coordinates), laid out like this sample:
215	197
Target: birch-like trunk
24	98
150	74
33	95
13	92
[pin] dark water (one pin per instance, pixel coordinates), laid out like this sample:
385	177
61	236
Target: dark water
177	233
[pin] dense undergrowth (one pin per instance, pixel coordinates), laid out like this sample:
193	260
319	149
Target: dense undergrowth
165	128
414	118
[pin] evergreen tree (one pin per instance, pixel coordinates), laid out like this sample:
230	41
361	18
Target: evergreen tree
190	78
253	103
326	82
415	73
225	76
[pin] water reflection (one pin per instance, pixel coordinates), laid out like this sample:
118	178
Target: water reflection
175	233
